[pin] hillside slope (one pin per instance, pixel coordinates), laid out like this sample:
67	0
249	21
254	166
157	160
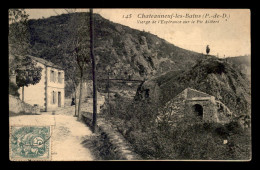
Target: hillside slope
130	53
212	75
135	54
243	63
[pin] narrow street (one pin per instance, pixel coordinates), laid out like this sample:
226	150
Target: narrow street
67	133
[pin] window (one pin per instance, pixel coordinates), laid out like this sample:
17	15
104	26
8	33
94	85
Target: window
59	77
59	99
53	97
52	76
55	77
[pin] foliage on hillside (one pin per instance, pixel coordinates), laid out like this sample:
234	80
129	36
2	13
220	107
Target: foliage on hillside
130	53
190	141
21	65
187	141
239	60
242	63
213	76
18	36
13	89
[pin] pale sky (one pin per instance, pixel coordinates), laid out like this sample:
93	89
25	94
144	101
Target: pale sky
229	37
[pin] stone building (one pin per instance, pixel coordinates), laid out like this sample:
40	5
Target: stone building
48	94
200	105
196	106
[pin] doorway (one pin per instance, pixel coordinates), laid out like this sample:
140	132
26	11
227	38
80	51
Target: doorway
198	110
59	99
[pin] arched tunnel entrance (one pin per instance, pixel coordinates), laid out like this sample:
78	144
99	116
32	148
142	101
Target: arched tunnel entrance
198	110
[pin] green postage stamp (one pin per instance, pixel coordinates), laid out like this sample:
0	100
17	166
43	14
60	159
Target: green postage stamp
30	143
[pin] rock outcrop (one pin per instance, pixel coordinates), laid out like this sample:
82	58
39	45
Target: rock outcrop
213	76
17	106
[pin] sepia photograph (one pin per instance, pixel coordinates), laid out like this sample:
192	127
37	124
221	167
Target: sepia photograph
129	84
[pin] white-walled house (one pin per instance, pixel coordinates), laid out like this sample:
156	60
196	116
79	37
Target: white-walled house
49	93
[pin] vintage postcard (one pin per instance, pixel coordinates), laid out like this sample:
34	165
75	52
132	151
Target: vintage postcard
129	84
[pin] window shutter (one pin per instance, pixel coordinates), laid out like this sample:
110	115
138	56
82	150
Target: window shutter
59	77
62	77
55	75
55	97
52	99
52	77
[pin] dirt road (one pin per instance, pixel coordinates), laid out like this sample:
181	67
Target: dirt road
67	133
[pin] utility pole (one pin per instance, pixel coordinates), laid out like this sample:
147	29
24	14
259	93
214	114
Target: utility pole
94	122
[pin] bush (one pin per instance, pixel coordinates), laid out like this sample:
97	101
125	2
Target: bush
13	89
101	147
189	141
234	127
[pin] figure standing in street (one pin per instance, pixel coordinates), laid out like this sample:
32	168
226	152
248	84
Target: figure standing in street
73	102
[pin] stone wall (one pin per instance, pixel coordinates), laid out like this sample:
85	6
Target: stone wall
195	93
148	91
17	106
181	107
123	148
209	110
173	110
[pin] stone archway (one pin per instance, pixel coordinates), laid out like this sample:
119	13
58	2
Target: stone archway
198	110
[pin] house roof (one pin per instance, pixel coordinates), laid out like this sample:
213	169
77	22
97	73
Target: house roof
40	60
45	62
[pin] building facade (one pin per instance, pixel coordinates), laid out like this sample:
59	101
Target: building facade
200	105
49	93
195	106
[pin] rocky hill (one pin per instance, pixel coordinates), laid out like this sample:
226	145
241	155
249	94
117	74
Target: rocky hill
134	54
243	63
214	76
130	53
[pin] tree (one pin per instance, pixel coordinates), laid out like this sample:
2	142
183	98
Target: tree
77	46
27	73
19	35
72	77
207	49
19	46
